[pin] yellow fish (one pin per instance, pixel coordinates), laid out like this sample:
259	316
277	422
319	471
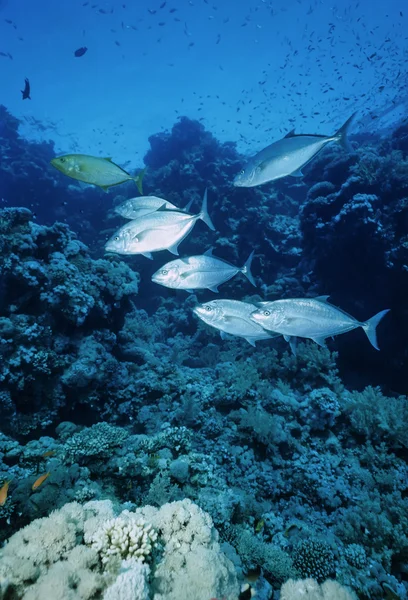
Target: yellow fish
40	481
4	493
102	172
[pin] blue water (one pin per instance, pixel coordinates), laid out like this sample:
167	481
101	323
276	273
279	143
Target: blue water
114	389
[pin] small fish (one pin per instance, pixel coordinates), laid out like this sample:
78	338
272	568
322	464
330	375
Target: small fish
312	318
81	51
161	230
4	492
49	453
38	482
27	90
200	272
288	156
94	170
232	317
133	208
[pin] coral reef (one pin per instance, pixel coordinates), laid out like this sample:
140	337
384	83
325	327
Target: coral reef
236	458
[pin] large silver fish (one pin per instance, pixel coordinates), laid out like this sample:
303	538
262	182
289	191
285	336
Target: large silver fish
133	208
288	156
200	272
312	318
232	317
160	230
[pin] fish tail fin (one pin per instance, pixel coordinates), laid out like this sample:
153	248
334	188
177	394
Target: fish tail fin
342	134
246	269
203	215
139	180
370	327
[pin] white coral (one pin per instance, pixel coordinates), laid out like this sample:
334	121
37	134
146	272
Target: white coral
309	589
131	584
127	536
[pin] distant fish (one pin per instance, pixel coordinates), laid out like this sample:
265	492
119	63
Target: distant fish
200	272
160	230
312	318
4	493
232	317
26	90
288	156
81	51
38	482
95	170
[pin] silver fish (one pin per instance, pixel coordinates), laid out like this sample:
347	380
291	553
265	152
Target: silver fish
133	208
200	272
312	318
288	156
232	317
160	230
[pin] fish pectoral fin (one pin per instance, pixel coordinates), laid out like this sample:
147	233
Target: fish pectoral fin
105	188
190	291
223	335
147	255
320	341
297	173
262	165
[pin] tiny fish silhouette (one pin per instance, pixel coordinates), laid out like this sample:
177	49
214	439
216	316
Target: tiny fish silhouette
81	51
26	90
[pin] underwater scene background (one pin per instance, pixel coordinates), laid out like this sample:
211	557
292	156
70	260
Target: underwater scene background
142	455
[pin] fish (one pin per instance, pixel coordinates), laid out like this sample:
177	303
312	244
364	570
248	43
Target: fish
313	318
232	317
49	453
161	230
27	90
133	208
204	271
81	51
38	482
4	492
102	172
288	156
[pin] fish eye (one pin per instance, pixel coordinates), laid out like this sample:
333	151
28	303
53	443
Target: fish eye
164	272
242	172
266	313
116	238
62	159
208	308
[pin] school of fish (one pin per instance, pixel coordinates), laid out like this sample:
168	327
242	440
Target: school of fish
155	224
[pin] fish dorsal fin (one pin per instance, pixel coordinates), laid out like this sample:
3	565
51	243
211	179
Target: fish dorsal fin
162	208
209	252
213	288
223	335
290	133
297	173
188	206
322	298
251	341
109	158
